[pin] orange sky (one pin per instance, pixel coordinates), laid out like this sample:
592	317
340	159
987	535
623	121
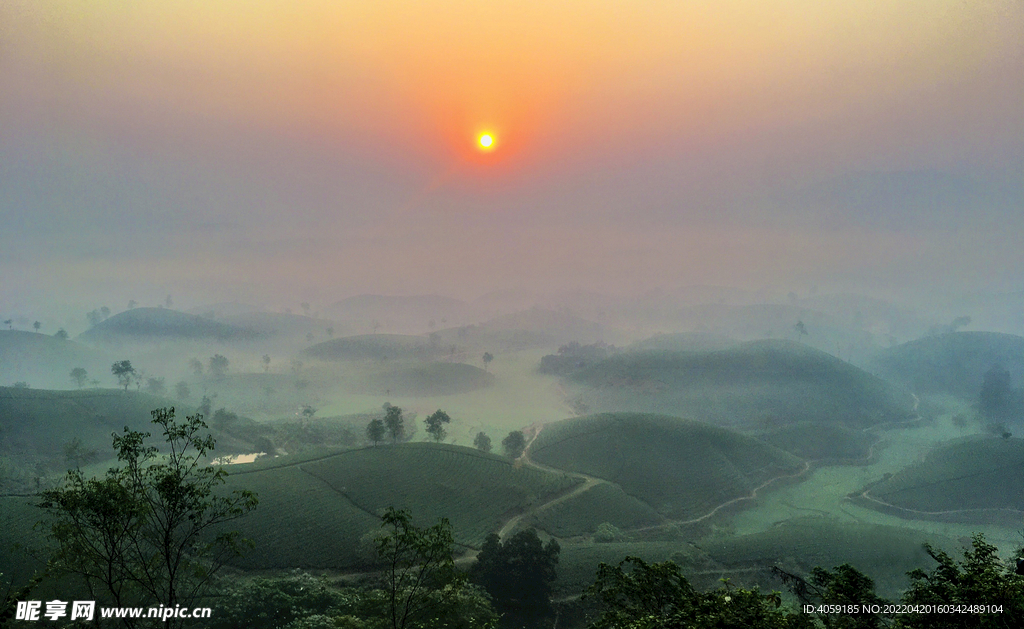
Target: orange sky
616	121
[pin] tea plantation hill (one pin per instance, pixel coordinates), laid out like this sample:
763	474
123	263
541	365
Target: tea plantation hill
313	512
977	480
40	421
147	324
378	347
673	468
756	385
953	363
43	360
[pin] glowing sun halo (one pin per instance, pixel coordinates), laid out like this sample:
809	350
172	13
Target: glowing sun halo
485	141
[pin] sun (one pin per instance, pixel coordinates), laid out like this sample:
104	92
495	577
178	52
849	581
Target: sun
485	142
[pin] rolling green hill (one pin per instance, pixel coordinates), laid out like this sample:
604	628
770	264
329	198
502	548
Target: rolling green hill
682	469
377	347
145	324
743	386
952	363
39	421
976	480
334	499
42	360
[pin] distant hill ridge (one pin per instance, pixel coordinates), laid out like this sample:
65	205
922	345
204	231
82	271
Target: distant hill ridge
744	385
954	363
143	323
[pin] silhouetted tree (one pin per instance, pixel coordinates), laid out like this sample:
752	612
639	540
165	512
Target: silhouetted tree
9	323
62	334
196	366
514	444
151	529
105	312
132	303
375	431
395	423
996	399
218	365
518	574
488	357
155	386
124	372
182	390
482	442
36	325
800	328
435	425
266	363
79	375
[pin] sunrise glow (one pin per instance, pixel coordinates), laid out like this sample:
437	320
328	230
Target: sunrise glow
485	142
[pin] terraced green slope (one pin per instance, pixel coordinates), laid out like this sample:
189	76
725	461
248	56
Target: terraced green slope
978	480
683	469
334	500
743	386
39	421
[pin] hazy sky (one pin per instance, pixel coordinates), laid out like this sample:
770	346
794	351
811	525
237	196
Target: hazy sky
219	148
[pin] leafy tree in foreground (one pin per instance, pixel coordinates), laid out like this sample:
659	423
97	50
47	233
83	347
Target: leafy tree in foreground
79	375
514	444
148	530
980	578
843	585
638	595
124	372
482	442
435	425
518	574
395	423
415	561
375	431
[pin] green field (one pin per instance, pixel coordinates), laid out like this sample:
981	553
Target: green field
743	386
975	474
681	468
338	497
45	361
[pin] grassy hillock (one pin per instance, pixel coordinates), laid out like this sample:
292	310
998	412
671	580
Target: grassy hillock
977	480
953	363
745	386
334	499
683	469
141	324
42	360
377	347
39	421
822	442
